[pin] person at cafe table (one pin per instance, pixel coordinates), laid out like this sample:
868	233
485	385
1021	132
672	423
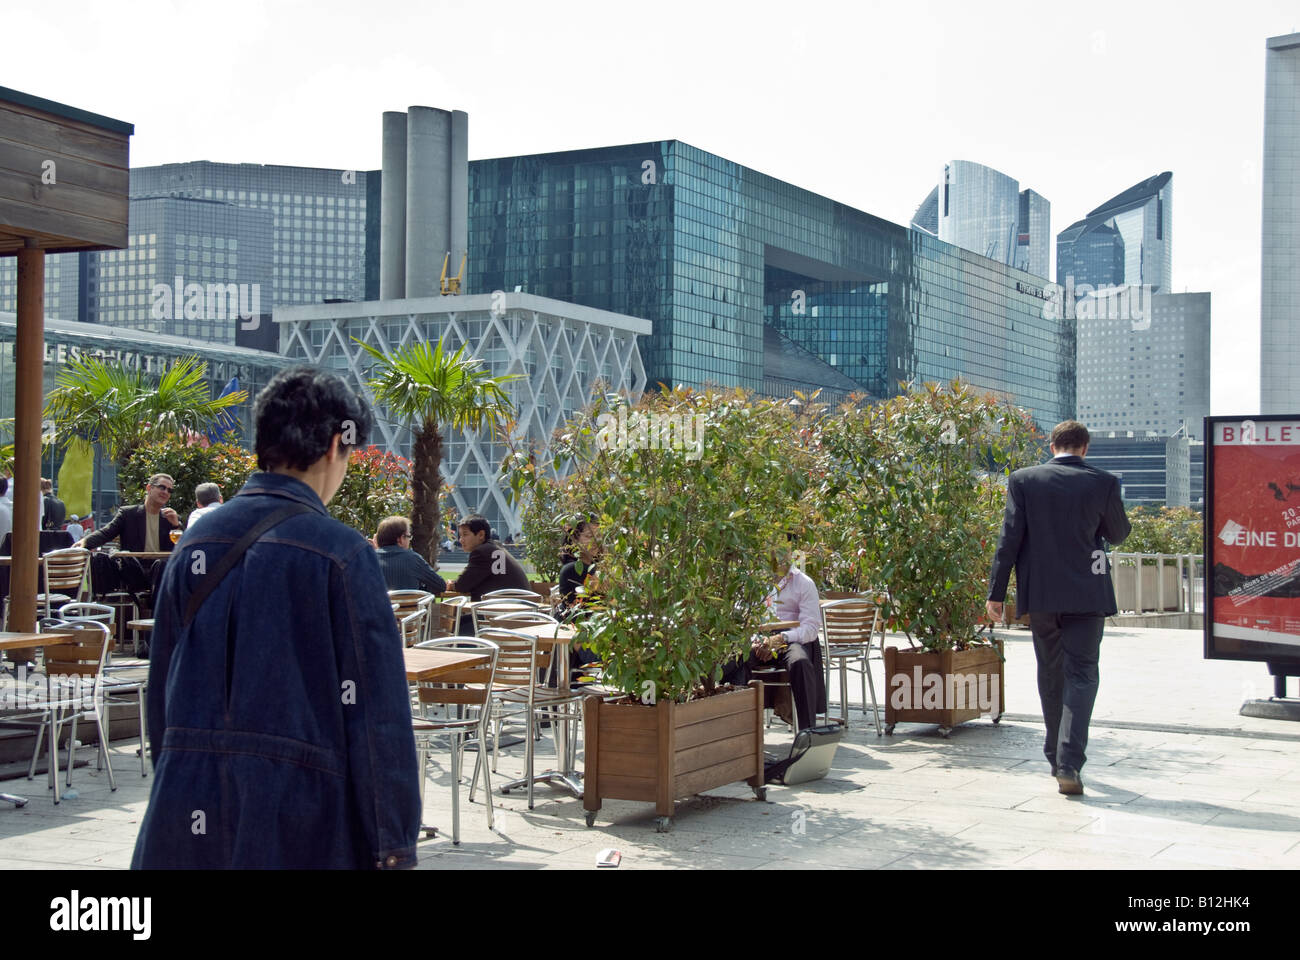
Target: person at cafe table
794	598
143	528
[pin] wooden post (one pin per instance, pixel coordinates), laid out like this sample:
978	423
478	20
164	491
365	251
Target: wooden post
665	780
591	777
29	363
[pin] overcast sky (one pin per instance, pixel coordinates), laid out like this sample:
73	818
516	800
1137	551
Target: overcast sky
860	101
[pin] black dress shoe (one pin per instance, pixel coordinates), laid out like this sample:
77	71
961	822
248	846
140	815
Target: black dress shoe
1068	781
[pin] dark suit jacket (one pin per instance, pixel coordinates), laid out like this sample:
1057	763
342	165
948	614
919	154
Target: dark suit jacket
478	578
128	526
1056	517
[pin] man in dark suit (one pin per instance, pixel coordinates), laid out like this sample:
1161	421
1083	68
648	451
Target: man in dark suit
143	528
490	565
1056	517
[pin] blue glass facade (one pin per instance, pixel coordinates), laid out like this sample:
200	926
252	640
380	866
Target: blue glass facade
710	251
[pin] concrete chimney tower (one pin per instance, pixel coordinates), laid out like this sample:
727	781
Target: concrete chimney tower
392	209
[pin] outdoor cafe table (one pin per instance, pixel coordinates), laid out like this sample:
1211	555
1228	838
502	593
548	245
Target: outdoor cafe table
432	664
136	627
558	637
26	641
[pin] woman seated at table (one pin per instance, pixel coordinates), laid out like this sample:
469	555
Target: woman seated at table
582	551
580	557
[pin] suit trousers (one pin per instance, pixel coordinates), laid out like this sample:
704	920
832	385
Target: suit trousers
1068	646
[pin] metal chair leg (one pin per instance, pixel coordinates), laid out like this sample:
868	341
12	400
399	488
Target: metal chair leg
103	744
875	707
455	788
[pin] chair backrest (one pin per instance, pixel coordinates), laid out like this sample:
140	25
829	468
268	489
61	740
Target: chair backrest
849	622
412	610
472	685
414	627
82	657
523	618
408	601
517	659
66	569
95	612
485	610
446	615
517	594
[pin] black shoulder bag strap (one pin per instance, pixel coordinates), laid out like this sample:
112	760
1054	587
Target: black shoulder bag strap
213	579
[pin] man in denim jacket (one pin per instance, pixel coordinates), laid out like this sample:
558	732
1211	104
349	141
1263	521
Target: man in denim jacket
279	717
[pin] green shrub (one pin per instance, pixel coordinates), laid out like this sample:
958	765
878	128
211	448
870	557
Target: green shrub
189	460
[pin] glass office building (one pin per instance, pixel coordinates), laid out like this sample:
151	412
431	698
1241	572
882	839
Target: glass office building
714	254
1142	219
1147	372
290	235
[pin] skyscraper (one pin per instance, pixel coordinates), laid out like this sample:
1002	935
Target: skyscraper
1142	218
1034	234
983	210
1150	374
1279	328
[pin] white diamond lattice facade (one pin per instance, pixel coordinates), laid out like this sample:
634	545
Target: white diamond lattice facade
562	350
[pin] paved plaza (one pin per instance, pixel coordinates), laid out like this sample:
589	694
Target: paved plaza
1176	778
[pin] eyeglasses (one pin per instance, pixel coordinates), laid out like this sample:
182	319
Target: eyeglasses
163	486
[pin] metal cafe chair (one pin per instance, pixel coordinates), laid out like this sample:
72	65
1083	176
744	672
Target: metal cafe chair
849	628
472	688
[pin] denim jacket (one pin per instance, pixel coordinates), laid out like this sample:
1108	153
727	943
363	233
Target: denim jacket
279	719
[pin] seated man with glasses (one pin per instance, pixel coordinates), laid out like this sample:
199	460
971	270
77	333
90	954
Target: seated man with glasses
143	528
403	568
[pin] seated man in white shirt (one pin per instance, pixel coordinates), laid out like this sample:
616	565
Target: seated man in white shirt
797	650
209	498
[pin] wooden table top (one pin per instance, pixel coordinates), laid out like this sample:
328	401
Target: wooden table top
140	624
547	634
777	626
144	554
24	641
431	664
8	561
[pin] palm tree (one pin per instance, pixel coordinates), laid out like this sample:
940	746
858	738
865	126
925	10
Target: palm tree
121	409
432	387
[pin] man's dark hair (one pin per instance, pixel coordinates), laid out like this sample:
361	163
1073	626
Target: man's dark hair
391	529
478	524
1070	435
207	494
4	486
299	413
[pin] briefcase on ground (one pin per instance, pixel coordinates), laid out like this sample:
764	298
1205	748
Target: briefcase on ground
810	757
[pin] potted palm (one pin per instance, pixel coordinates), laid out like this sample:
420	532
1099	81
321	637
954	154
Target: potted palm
432	387
124	409
919	483
691	489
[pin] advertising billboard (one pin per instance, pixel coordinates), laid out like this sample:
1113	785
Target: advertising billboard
1252	538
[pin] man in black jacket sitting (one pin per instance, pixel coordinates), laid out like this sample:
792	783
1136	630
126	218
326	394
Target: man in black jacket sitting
143	528
403	568
490	566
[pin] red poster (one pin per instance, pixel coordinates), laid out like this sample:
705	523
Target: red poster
1253	538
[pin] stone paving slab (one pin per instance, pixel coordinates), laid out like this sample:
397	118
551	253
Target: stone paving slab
1176	779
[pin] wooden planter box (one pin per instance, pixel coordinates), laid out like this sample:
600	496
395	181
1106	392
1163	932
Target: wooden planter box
970	684
670	751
